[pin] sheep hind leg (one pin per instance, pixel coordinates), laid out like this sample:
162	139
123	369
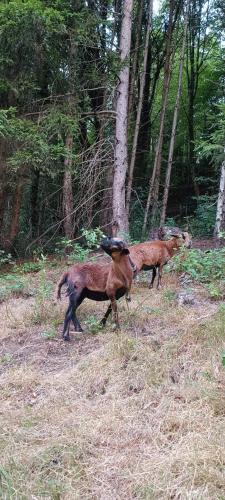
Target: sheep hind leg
66	325
76	323
153	277
74	301
159	284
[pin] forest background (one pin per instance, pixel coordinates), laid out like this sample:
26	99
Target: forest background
63	169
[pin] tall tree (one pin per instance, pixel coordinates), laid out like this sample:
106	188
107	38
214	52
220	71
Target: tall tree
121	154
196	54
154	181
134	65
174	125
139	108
220	213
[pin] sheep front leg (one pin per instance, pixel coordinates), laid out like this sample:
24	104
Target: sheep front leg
159	284
115	312
153	277
104	319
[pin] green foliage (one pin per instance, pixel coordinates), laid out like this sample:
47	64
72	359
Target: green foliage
12	285
205	267
92	237
74	251
212	146
223	358
5	258
203	221
28	267
6	358
93	324
78	254
49	334
42	307
169	295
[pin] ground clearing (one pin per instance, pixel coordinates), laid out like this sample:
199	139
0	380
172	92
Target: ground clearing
135	415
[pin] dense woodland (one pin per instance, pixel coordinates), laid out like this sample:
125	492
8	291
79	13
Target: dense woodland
112	116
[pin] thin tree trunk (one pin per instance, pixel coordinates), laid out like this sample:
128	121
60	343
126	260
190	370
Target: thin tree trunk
3	196
34	202
196	54
67	191
135	60
174	126
121	162
220	213
154	182
140	104
14	226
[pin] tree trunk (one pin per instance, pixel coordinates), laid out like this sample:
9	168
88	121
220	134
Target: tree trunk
154	182
174	126
154	66
14	226
34	202
220	213
135	60
67	191
139	109
3	196
121	163
197	37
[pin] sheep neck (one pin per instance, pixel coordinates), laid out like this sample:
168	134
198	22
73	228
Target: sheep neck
123	268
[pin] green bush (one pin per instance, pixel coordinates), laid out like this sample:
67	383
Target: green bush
92	237
203	221
206	267
5	258
74	251
14	285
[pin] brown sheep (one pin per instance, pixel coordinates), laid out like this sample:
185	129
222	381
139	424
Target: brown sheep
155	254
98	281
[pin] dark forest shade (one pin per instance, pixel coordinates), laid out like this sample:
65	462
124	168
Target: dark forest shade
60	66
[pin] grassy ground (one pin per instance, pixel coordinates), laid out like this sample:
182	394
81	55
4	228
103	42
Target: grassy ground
134	415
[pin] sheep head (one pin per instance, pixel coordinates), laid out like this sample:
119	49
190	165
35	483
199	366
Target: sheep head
114	246
183	238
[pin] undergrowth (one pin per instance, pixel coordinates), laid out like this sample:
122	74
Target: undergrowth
207	268
12	285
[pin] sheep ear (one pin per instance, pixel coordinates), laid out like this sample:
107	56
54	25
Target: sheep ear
125	251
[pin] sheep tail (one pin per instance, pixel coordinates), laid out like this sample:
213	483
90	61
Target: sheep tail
63	281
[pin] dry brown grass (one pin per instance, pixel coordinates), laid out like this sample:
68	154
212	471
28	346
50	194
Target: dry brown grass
134	415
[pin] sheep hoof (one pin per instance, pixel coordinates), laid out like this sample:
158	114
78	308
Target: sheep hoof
150	286
66	338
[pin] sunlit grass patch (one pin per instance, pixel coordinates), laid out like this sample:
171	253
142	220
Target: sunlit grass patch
135	413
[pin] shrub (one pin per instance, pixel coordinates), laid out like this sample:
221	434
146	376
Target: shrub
74	251
205	267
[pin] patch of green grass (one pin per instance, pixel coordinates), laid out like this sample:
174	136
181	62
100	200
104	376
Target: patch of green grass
6	358
144	492
12	285
169	295
6	484
43	308
28	267
93	324
206	268
49	334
